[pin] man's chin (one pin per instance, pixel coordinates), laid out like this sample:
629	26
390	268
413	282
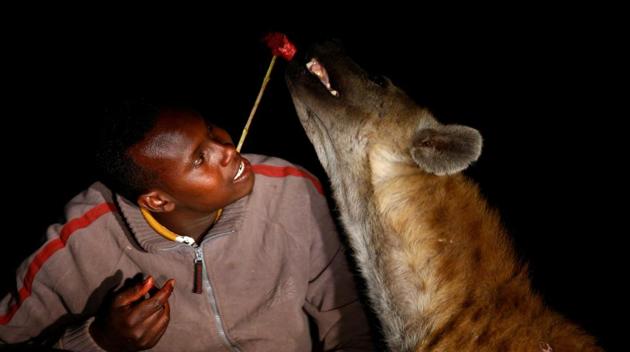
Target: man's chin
246	186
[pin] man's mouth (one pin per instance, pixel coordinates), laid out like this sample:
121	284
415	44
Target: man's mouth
241	169
317	69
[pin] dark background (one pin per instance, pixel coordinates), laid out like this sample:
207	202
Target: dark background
538	84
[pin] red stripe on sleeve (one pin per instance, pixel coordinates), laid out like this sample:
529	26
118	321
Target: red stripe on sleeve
49	249
284	171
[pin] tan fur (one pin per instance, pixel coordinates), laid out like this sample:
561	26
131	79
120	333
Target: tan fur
480	299
440	270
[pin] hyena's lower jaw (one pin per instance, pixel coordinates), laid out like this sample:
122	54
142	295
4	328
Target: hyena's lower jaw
301	109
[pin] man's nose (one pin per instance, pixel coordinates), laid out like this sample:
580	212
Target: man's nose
228	152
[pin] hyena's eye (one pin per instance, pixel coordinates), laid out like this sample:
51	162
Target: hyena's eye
380	80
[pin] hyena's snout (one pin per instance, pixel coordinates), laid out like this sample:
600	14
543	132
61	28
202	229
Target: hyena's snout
315	70
326	82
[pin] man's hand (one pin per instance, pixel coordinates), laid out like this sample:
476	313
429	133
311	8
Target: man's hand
133	322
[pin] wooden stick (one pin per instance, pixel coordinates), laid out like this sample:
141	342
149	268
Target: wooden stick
260	93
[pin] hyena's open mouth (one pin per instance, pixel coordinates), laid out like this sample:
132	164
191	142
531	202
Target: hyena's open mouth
317	69
310	77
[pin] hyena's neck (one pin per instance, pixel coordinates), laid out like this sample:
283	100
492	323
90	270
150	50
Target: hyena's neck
359	214
452	274
436	241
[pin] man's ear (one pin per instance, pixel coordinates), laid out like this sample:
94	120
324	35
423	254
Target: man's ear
156	201
445	150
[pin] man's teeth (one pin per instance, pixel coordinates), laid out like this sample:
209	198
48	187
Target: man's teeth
314	67
241	168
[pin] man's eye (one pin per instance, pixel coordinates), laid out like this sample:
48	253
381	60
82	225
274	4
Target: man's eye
198	161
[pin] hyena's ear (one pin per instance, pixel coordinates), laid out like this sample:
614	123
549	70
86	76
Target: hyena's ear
445	150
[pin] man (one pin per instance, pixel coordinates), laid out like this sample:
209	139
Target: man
233	253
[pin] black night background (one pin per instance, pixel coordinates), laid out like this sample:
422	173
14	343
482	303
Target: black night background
538	86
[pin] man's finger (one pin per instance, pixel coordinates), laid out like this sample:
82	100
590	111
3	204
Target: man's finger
156	326
157	302
133	293
162	323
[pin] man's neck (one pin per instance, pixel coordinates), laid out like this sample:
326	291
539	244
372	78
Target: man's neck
187	224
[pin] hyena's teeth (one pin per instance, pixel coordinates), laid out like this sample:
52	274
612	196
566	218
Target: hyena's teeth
316	68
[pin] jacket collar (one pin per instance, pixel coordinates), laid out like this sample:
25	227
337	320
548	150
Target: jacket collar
152	242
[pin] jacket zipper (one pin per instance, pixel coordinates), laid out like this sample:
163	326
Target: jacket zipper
198	283
202	281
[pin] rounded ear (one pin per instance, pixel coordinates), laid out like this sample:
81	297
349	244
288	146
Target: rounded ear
156	201
445	150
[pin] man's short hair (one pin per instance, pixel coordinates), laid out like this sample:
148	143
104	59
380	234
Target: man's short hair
124	125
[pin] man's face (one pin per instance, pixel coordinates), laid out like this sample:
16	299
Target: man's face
196	163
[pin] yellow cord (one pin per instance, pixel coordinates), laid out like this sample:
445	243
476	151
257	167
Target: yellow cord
166	233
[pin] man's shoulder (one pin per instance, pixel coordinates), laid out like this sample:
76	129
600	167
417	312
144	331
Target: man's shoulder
260	159
85	228
95	197
278	170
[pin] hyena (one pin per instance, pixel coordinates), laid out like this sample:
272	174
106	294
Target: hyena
441	273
